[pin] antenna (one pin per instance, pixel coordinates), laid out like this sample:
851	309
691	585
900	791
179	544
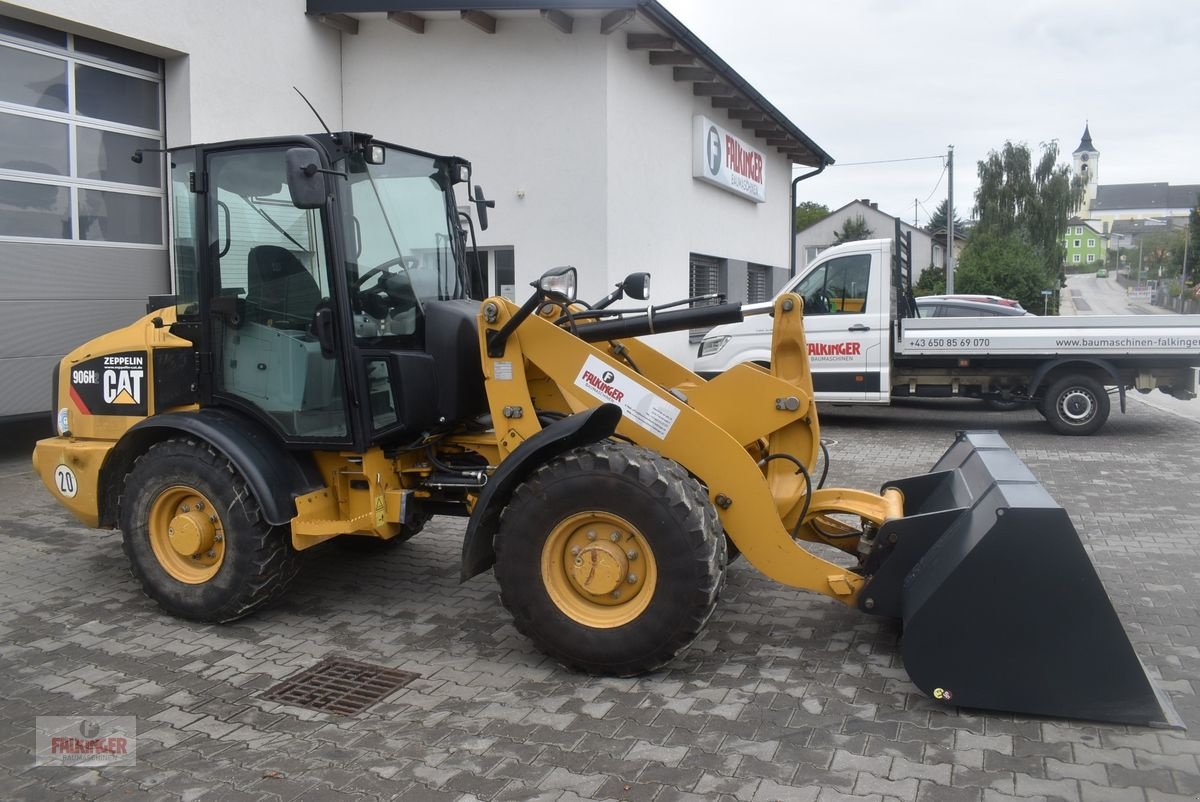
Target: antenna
314	111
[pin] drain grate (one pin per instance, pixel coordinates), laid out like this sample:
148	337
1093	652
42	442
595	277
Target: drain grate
339	686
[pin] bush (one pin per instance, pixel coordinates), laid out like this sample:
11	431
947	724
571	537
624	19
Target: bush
1004	265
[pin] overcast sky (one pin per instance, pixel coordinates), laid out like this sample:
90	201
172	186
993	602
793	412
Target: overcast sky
880	79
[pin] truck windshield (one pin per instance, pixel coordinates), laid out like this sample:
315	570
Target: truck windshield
401	244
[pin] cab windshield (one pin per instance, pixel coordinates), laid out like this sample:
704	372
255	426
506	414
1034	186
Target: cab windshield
402	243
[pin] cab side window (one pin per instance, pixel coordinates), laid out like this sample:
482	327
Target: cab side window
837	287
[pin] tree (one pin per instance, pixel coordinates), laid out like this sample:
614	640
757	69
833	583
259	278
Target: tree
810	213
938	221
1162	253
1020	200
1003	264
853	229
932	281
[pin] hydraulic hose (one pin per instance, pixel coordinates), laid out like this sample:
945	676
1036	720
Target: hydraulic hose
808	484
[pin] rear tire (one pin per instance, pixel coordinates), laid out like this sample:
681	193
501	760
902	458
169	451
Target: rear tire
575	591
182	493
1076	405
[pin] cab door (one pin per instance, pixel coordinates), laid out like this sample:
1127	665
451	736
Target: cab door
845	326
271	270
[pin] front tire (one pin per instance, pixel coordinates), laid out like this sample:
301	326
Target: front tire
1076	405
610	558
196	538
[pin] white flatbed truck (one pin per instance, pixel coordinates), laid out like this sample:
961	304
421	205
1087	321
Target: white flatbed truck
866	345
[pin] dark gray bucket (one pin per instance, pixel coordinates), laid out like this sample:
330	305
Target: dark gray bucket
1001	606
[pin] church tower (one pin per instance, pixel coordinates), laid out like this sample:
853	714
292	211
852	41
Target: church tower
1086	164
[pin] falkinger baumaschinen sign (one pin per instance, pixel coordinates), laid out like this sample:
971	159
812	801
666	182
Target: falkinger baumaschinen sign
721	158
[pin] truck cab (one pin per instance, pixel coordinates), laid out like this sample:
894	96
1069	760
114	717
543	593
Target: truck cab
847	299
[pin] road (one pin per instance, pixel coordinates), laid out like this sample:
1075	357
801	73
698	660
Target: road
1088	295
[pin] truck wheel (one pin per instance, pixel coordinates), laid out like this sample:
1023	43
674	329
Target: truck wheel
1076	405
195	536
610	558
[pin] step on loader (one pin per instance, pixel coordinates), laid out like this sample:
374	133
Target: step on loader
331	370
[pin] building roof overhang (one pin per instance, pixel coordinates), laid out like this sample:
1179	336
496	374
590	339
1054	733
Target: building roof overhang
668	42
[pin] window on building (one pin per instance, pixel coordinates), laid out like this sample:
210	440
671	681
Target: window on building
706	276
72	113
812	251
1075	258
1078	230
506	273
1091	258
1077	243
758	284
1091	242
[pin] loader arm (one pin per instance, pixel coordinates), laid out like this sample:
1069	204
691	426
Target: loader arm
709	433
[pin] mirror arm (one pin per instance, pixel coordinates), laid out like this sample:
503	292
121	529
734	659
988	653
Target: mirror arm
311	169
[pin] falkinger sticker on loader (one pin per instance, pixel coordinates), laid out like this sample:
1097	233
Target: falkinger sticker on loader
330	375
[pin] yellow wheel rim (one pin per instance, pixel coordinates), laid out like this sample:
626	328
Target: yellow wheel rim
187	535
599	570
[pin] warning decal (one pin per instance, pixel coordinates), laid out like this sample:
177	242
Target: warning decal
637	403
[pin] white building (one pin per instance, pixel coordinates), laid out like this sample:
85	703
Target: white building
596	126
821	235
1104	204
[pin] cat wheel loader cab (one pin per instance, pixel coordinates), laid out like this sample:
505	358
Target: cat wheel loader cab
324	375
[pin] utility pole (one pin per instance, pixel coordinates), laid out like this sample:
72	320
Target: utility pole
1187	240
950	222
914	212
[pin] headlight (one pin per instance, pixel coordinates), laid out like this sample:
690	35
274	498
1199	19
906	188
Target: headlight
558	283
712	345
62	422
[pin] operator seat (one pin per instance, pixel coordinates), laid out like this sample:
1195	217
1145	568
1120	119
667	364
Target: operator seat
279	289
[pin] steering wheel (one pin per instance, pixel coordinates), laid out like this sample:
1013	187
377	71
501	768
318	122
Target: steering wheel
822	303
380	268
393	292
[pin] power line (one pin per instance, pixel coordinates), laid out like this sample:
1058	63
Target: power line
889	161
938	184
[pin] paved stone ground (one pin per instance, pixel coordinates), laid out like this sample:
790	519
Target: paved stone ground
787	696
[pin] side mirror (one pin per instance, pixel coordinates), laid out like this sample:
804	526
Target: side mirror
305	178
637	286
481	207
558	283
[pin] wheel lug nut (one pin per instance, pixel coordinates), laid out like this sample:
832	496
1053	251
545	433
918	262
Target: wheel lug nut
170	530
186	508
219	538
212	553
575	550
616	594
591	534
632	578
615	536
631	554
212	519
199	505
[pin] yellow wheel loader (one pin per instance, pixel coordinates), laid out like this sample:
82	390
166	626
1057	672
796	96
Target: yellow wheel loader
329	368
